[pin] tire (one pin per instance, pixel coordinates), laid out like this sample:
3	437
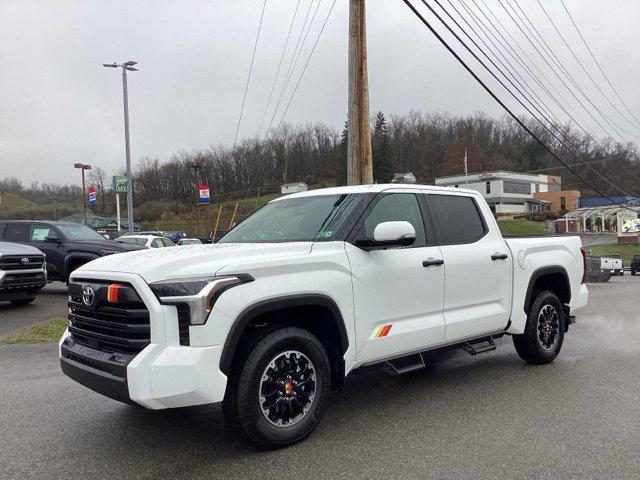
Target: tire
263	370
23	301
536	346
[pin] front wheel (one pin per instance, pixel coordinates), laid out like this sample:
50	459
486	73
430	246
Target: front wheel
279	394
544	332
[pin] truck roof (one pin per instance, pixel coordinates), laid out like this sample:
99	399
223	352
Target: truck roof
48	222
376	188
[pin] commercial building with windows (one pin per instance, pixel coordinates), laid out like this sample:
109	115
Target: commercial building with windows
508	193
561	201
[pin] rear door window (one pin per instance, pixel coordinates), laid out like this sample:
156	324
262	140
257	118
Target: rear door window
16	232
457	219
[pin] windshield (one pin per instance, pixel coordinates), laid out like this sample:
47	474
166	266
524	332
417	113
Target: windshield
302	219
137	241
79	232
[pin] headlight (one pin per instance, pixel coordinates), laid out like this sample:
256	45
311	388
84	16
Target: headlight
108	252
200	294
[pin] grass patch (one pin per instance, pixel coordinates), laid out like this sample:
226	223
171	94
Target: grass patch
47	332
519	227
626	252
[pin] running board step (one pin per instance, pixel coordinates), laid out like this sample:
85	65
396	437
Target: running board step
404	365
480	346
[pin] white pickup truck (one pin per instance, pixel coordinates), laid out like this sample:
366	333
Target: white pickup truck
308	289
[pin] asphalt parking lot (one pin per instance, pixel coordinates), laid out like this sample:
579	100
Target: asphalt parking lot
484	417
51	303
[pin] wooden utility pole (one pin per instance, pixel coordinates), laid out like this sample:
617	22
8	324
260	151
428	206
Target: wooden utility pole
359	164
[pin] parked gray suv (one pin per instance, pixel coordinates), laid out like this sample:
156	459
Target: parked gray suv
22	273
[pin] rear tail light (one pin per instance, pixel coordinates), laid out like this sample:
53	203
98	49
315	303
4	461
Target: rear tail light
584	264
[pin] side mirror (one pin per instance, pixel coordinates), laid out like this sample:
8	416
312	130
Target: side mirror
390	234
52	238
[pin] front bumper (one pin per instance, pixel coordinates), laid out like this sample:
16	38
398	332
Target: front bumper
158	377
21	284
164	374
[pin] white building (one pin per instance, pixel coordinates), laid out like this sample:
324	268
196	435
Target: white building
506	192
294	187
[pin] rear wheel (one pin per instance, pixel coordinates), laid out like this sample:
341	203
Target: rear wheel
279	393
544	332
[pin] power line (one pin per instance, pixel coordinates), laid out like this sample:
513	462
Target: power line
246	87
304	69
545	126
275	79
497	99
509	48
294	59
598	63
549	51
606	97
530	90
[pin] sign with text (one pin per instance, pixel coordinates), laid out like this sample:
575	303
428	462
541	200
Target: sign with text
120	184
92	196
203	191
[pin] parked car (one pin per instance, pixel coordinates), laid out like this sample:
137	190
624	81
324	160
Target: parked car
635	264
310	288
613	263
189	241
147	241
22	273
174	236
66	245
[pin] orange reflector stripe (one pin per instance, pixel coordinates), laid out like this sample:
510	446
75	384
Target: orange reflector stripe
383	331
112	292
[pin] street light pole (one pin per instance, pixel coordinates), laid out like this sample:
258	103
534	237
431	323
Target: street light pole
127	66
83	167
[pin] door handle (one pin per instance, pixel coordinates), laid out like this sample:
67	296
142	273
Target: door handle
499	256
432	262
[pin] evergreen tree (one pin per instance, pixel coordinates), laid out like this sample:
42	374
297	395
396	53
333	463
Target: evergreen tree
382	167
341	167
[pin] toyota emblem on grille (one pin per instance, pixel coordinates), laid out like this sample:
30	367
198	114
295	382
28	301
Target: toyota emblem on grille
24	261
88	295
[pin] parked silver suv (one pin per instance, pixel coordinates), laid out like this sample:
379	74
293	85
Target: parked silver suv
22	273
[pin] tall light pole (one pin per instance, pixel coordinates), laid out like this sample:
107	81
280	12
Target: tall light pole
83	167
127	66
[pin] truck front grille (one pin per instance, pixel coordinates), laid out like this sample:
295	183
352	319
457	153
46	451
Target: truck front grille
22	280
21	262
99	322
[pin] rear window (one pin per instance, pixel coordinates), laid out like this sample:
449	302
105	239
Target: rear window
458	219
136	240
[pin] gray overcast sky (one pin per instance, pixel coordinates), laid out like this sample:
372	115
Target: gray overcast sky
58	105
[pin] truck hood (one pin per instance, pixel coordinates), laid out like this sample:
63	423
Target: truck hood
8	248
191	261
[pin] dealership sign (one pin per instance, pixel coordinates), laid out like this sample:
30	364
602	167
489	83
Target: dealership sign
92	196
203	190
